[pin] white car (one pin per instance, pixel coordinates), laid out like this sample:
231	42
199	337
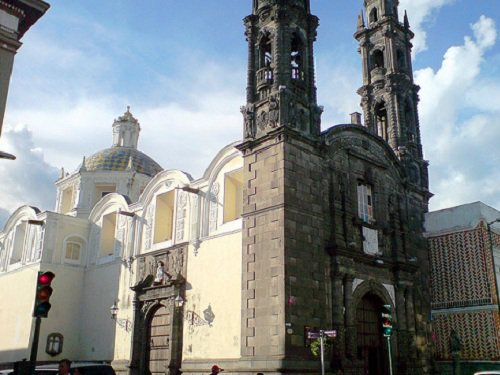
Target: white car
491	372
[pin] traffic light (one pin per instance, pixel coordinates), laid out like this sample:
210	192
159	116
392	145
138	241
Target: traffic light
43	293
387	320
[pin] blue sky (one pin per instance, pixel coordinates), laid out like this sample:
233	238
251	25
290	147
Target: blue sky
181	66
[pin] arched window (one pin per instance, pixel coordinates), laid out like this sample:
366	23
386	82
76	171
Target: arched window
409	122
378	59
233	195
108	235
18	245
164	217
73	250
66	200
381	120
54	344
365	202
296	57
373	15
266	57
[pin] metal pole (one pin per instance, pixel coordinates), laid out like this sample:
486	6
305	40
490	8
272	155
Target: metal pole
321	337
389	353
34	344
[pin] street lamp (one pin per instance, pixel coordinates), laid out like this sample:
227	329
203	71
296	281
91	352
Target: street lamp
178	301
124	323
113	310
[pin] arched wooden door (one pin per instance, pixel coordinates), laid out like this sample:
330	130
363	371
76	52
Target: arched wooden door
371	344
158	345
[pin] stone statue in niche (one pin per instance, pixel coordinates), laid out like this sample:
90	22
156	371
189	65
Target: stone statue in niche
302	120
161	275
248	118
455	342
274	113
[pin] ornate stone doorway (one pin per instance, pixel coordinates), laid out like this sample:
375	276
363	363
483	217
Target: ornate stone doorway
157	333
371	344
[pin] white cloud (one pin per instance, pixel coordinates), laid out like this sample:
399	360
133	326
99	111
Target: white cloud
420	12
28	180
461	144
337	91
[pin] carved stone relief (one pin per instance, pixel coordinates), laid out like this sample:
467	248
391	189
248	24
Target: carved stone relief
214	208
248	120
94	242
181	215
149	227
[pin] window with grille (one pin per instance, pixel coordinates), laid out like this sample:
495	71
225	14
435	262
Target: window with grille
365	202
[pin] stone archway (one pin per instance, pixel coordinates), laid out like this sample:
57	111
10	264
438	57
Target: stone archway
370	345
158	323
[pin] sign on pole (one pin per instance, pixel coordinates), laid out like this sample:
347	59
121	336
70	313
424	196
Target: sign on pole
331	333
313	334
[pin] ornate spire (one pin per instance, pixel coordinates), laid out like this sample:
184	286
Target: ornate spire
361	21
83	168
126	130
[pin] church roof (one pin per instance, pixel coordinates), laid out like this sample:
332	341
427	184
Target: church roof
122	159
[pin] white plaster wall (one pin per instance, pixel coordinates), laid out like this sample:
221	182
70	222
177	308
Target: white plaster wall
123	338
101	287
17	289
64	316
214	279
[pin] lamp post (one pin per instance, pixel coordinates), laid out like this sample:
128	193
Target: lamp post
124	323
490	238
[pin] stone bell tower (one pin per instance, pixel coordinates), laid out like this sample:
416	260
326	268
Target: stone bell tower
281	90
283	247
389	96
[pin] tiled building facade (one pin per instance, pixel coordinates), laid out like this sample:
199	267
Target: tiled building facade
464	245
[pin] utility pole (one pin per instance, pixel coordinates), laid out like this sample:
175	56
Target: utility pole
34	345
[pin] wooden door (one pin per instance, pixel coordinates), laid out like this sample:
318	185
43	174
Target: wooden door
371	349
158	351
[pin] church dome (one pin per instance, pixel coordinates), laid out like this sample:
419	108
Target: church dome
122	159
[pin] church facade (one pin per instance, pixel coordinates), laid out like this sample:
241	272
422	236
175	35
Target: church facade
291	230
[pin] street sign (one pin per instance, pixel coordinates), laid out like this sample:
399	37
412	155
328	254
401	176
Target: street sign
331	333
313	335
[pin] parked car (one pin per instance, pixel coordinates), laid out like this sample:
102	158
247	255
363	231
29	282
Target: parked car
490	372
85	368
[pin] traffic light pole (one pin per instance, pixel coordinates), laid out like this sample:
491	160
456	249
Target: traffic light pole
389	353
322	338
34	344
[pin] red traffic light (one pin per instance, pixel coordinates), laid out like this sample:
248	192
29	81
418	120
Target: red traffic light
42	294
45	278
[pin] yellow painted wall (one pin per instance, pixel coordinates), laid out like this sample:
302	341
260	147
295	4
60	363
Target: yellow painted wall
214	279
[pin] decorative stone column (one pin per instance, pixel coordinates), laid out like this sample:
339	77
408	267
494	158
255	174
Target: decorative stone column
136	334
350	339
338	317
410	317
402	329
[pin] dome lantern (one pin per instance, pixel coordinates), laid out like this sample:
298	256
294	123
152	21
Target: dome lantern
126	130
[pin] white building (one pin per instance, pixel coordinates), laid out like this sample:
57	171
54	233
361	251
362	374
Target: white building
116	216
